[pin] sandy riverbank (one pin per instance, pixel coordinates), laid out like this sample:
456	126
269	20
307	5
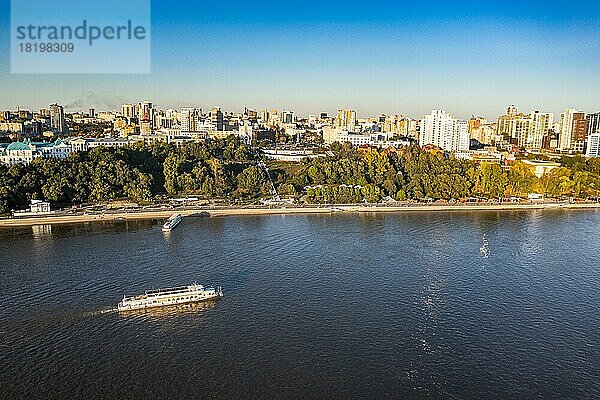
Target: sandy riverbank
223	212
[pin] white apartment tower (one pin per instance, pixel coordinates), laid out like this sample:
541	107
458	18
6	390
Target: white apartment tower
445	131
541	123
593	145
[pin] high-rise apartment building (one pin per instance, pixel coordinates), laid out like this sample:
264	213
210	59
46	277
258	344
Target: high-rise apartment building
287	117
190	119
526	131
146	116
264	116
346	120
573	130
445	131
580	132
476	123
514	127
541	123
216	118
512	110
593	145
593	122
397	124
129	110
57	118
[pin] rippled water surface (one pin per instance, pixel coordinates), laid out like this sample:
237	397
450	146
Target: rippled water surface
342	306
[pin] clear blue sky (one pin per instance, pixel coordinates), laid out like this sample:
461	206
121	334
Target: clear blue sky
466	56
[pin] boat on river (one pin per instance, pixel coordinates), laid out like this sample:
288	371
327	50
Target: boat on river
170	296
172	222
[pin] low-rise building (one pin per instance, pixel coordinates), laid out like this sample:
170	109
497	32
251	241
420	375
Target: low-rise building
291	155
36	208
11	127
58	149
382	140
541	168
24	152
16	153
39	207
241	133
487	154
86	144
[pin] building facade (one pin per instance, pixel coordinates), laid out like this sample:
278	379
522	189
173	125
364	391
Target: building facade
444	131
346	120
593	145
593	122
573	130
527	131
190	119
25	152
57	118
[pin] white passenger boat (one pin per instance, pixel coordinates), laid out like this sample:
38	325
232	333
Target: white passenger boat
171	296
172	222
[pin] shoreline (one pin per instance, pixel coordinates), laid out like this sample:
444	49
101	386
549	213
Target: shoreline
257	211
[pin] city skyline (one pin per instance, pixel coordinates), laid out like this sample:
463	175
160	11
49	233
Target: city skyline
81	106
320	57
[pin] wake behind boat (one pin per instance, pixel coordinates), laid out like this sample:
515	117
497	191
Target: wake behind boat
484	250
172	222
170	296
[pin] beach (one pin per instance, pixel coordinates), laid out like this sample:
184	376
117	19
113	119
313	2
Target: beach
208	212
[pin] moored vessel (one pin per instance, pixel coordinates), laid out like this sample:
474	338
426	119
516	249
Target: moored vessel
170	296
172	222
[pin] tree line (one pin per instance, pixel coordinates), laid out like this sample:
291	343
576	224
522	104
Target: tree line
219	168
351	176
229	169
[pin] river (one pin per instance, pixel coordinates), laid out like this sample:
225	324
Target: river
315	306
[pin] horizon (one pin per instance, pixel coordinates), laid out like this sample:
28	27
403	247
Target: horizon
467	58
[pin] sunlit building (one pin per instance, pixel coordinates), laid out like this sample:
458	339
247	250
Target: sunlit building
189	119
346	119
445	131
573	130
593	145
129	110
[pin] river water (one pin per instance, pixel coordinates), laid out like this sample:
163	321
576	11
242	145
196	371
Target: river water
341	306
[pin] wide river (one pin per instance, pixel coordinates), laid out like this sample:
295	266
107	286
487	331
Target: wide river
341	306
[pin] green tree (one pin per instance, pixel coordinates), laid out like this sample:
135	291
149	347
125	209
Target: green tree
490	180
521	180
251	180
